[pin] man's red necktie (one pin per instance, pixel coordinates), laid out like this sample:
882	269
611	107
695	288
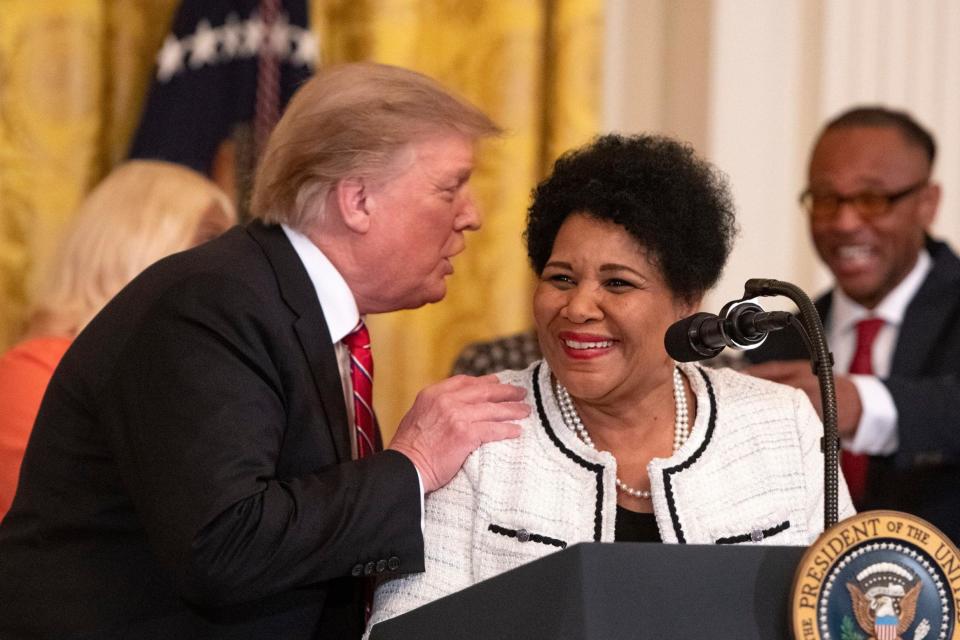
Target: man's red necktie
361	375
854	465
368	434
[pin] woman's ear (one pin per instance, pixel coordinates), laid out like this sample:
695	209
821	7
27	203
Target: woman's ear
684	307
352	199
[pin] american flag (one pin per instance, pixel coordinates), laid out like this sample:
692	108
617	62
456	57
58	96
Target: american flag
885	628
208	70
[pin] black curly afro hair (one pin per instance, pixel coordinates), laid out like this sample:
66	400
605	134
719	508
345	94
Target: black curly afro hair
677	206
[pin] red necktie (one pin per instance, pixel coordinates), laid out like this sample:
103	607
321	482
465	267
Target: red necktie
368	435
361	375
855	465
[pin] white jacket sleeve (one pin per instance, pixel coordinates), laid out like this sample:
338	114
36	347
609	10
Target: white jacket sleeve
811	432
448	543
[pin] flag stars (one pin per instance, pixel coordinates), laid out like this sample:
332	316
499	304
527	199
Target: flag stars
236	39
230	35
170	59
252	36
305	49
204	50
279	37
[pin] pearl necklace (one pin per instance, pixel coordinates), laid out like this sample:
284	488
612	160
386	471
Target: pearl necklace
681	425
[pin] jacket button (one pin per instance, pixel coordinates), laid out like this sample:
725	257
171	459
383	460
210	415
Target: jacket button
357	570
369	568
523	535
381	566
393	563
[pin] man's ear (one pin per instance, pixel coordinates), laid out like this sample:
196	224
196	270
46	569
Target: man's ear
930	201
351	196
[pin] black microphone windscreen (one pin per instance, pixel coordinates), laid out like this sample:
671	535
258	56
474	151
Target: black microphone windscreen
679	344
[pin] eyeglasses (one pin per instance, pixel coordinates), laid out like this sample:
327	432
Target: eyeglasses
823	207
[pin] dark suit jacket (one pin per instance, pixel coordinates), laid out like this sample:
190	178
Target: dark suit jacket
189	474
923	476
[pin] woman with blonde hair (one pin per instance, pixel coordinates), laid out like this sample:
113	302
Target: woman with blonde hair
143	211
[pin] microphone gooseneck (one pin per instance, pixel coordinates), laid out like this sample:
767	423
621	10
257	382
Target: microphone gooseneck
744	325
821	360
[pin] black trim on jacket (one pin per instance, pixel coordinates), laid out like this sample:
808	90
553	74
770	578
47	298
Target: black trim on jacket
591	466
522	535
667	484
755	536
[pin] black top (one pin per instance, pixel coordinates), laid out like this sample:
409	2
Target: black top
633	526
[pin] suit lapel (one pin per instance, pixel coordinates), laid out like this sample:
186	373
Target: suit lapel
931	308
311	328
823	307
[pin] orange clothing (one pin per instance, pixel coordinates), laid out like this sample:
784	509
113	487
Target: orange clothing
25	371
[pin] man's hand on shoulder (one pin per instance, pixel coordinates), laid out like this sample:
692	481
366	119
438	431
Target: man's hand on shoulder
450	419
797	373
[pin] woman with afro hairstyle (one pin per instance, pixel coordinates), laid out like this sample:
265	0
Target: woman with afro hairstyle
623	443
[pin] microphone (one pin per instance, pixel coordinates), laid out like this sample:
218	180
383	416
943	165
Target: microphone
741	325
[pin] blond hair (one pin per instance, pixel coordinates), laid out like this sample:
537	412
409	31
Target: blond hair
351	120
143	211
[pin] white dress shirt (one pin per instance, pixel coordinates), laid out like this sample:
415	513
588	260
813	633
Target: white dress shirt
339	310
877	431
341	313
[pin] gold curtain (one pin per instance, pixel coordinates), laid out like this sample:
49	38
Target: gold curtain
535	67
72	80
73	77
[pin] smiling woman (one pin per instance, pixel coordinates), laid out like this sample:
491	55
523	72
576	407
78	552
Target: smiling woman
624	444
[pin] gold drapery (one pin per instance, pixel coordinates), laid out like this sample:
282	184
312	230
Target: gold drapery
73	77
72	80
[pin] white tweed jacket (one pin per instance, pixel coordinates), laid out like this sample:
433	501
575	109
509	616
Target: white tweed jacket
750	472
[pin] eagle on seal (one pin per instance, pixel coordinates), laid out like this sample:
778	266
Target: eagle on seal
885	612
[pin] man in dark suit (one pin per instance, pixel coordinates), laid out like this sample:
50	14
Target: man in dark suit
892	320
195	469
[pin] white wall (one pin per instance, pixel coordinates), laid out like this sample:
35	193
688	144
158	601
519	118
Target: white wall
750	82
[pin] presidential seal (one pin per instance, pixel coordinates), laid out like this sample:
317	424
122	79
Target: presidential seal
880	575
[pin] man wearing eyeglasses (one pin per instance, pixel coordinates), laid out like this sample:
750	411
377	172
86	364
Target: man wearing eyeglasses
892	320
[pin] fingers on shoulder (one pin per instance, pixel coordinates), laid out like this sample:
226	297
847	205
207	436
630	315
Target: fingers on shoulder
494	431
494	391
